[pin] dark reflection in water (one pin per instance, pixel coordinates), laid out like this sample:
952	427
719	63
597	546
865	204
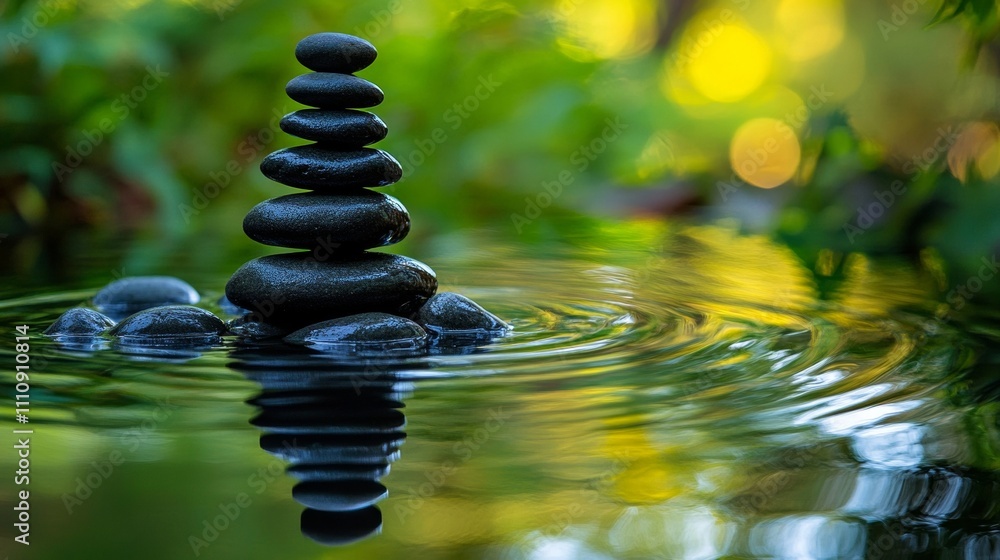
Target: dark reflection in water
338	426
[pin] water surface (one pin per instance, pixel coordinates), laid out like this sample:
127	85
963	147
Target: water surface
668	392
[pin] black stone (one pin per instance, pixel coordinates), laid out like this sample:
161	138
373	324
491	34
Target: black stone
250	327
449	312
172	325
339	495
352	221
335	528
297	290
365	328
79	321
335	128
333	91
126	296
317	168
335	52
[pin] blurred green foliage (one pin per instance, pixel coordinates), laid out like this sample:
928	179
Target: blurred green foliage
148	119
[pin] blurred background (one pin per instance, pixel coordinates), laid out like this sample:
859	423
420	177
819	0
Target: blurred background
837	126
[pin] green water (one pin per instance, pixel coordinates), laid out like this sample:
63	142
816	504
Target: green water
668	392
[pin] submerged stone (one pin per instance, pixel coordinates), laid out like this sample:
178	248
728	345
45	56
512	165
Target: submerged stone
368	328
80	321
351	221
295	289
250	327
126	296
334	91
172	325
449	312
335	52
336	128
322	169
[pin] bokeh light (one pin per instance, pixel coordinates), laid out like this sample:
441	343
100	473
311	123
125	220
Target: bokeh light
765	152
729	62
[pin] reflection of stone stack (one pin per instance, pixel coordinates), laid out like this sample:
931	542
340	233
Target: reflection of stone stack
339	218
339	428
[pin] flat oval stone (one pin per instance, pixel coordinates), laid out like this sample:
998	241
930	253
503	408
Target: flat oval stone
364	328
295	289
126	296
339	495
338	128
352	221
79	321
451	312
171	325
317	168
333	91
335	52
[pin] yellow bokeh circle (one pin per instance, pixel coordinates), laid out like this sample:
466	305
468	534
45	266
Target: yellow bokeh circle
765	152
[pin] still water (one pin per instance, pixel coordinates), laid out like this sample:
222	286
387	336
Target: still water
668	392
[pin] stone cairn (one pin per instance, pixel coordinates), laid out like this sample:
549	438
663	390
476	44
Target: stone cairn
339	218
355	295
335	290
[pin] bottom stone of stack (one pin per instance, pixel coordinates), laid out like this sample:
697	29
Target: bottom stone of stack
296	290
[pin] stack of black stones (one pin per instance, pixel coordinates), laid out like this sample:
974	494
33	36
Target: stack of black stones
334	292
337	289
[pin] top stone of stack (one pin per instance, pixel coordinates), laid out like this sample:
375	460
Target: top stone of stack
335	52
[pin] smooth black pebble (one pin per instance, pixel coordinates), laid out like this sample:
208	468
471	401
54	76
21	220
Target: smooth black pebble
361	328
329	223
450	312
128	295
79	321
338	128
335	52
317	168
333	91
295	289
172	325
